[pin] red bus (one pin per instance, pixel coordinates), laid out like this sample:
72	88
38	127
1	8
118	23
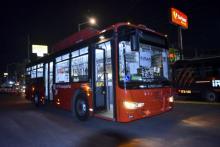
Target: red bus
120	73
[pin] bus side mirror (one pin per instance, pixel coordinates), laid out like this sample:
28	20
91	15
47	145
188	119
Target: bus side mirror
134	41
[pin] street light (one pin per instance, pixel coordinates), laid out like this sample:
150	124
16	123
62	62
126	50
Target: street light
91	21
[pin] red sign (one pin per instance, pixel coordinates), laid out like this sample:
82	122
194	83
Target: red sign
179	18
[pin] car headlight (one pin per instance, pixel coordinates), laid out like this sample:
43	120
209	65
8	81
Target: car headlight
171	99
132	105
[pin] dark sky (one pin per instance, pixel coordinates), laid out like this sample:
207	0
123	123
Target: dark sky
51	21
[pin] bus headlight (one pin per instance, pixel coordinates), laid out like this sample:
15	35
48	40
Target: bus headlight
171	99
132	105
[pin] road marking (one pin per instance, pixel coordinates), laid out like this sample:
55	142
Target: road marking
195	102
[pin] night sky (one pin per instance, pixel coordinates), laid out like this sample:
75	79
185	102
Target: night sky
49	21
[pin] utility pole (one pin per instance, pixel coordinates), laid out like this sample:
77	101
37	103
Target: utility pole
28	48
180	42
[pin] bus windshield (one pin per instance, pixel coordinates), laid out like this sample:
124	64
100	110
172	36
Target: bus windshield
146	67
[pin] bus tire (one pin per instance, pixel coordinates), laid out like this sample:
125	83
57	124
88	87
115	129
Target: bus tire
36	100
81	107
211	96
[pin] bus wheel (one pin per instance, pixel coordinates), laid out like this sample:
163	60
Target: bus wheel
211	96
36	100
81	107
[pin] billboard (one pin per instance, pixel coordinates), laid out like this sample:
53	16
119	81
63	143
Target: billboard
179	18
40	50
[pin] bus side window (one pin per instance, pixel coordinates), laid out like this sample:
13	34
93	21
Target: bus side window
79	65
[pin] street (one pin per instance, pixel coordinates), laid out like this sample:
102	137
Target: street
188	124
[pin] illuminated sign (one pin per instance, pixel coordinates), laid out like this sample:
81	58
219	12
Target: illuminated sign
179	18
40	50
215	83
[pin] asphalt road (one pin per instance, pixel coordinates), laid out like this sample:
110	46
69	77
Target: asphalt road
187	125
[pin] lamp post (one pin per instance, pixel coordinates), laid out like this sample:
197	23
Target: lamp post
91	21
180	42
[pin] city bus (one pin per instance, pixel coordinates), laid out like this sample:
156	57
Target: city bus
120	73
198	78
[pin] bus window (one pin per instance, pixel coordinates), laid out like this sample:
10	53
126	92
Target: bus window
107	47
62	69
40	70
33	72
148	65
79	65
28	71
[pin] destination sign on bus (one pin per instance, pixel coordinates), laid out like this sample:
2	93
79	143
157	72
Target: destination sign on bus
179	18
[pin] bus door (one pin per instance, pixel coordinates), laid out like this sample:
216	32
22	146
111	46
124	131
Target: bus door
48	78
50	81
102	80
99	80
46	85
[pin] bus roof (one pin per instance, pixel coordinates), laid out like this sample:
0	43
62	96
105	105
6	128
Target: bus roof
90	32
86	34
